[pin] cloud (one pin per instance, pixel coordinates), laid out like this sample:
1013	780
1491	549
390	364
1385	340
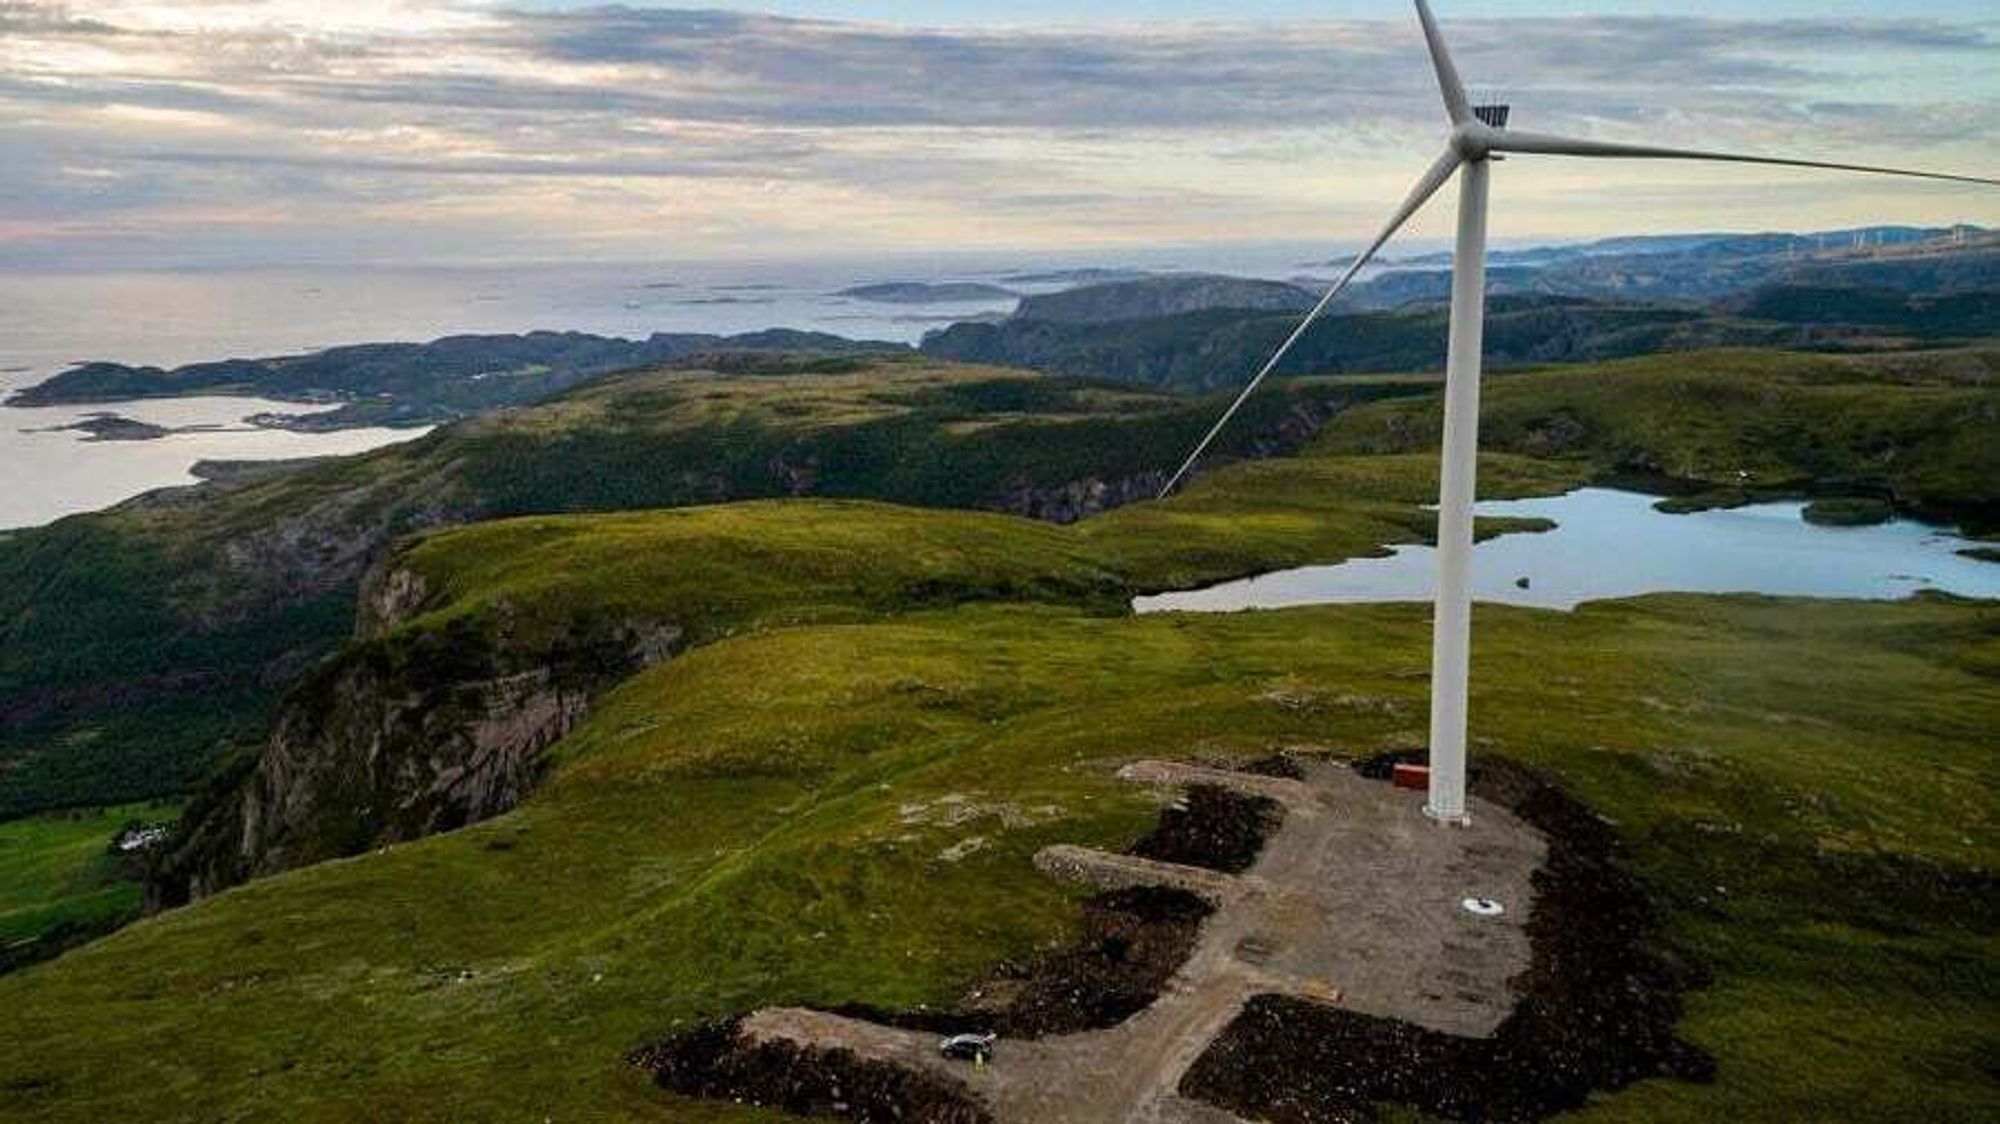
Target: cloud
354	114
738	164
27	18
1194	76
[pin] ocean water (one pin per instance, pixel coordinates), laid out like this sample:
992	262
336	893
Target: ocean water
49	321
1610	544
52	474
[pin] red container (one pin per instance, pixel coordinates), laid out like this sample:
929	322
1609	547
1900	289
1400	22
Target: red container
1416	777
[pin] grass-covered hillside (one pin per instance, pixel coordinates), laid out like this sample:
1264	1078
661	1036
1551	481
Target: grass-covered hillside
832	793
1212	348
484	643
842	808
1922	429
61	882
140	642
725	568
1964	315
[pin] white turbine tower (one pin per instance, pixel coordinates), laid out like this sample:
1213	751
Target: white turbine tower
1479	136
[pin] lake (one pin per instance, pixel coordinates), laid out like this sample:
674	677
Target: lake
1610	544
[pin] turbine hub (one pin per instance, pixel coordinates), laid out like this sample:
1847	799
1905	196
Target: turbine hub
1473	140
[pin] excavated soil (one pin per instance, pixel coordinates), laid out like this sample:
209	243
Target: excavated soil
716	1062
1597	1011
1213	828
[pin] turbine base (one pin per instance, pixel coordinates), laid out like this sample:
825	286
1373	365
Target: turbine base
1462	819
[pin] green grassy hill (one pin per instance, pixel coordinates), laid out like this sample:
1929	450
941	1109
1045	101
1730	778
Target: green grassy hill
140	643
485	642
1804	786
60	882
1922	429
1962	315
1215	348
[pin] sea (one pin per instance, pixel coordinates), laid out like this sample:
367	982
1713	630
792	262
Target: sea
50	320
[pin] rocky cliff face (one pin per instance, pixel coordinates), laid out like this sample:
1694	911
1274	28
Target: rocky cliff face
1080	499
409	733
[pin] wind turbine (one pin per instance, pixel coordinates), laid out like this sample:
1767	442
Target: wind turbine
1479	136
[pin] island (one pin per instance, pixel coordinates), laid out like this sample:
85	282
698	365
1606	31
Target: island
1849	511
914	292
106	426
1089	276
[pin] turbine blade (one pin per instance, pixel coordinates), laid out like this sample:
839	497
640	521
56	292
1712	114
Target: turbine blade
1508	140
1426	187
1456	104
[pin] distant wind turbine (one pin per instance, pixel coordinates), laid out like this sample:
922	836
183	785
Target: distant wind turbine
1479	136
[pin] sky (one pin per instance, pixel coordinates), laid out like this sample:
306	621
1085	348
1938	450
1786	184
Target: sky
147	133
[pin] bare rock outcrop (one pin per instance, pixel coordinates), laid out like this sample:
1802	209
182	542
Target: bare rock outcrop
410	732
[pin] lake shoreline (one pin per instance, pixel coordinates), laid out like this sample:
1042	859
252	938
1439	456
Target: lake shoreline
1611	544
